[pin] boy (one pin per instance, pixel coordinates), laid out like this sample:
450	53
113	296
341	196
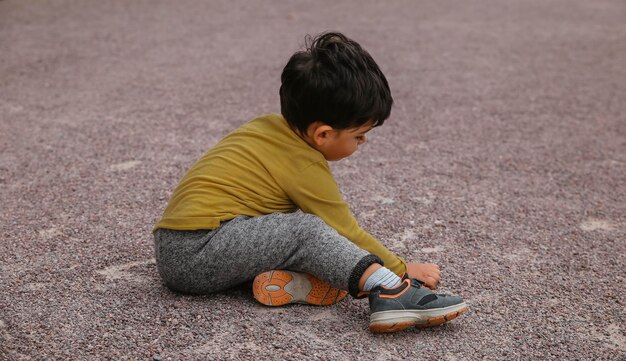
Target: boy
233	216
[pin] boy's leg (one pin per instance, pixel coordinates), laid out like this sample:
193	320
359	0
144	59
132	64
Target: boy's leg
210	261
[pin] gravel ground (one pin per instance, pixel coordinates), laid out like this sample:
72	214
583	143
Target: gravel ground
504	161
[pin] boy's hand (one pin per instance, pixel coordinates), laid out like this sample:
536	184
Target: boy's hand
428	273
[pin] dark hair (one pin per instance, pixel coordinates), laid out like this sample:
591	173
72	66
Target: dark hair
334	81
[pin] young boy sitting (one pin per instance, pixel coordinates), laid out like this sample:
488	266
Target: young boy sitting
233	217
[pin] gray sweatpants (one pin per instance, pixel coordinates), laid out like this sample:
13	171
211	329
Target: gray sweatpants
206	261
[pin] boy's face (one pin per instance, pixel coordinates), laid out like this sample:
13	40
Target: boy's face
339	144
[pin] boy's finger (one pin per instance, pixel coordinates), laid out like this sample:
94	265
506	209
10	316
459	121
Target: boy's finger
432	283
435	275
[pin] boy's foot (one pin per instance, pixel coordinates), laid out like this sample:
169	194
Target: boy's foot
277	288
411	305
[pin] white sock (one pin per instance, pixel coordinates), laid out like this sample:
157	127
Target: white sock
382	277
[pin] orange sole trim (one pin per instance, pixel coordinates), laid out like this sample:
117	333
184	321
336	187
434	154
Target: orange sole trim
269	289
323	294
431	322
385	328
440	320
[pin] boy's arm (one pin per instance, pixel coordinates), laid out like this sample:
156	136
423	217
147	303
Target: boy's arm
315	191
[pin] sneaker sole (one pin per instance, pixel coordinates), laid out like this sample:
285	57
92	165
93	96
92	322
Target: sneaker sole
392	321
278	288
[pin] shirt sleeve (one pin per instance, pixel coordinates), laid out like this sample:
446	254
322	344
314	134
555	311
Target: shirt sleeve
315	191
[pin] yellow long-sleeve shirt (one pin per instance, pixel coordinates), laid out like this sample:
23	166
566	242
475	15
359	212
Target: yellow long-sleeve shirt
260	168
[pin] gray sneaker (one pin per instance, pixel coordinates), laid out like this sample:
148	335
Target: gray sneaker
394	309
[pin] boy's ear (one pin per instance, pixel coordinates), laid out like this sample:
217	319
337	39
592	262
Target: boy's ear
320	132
